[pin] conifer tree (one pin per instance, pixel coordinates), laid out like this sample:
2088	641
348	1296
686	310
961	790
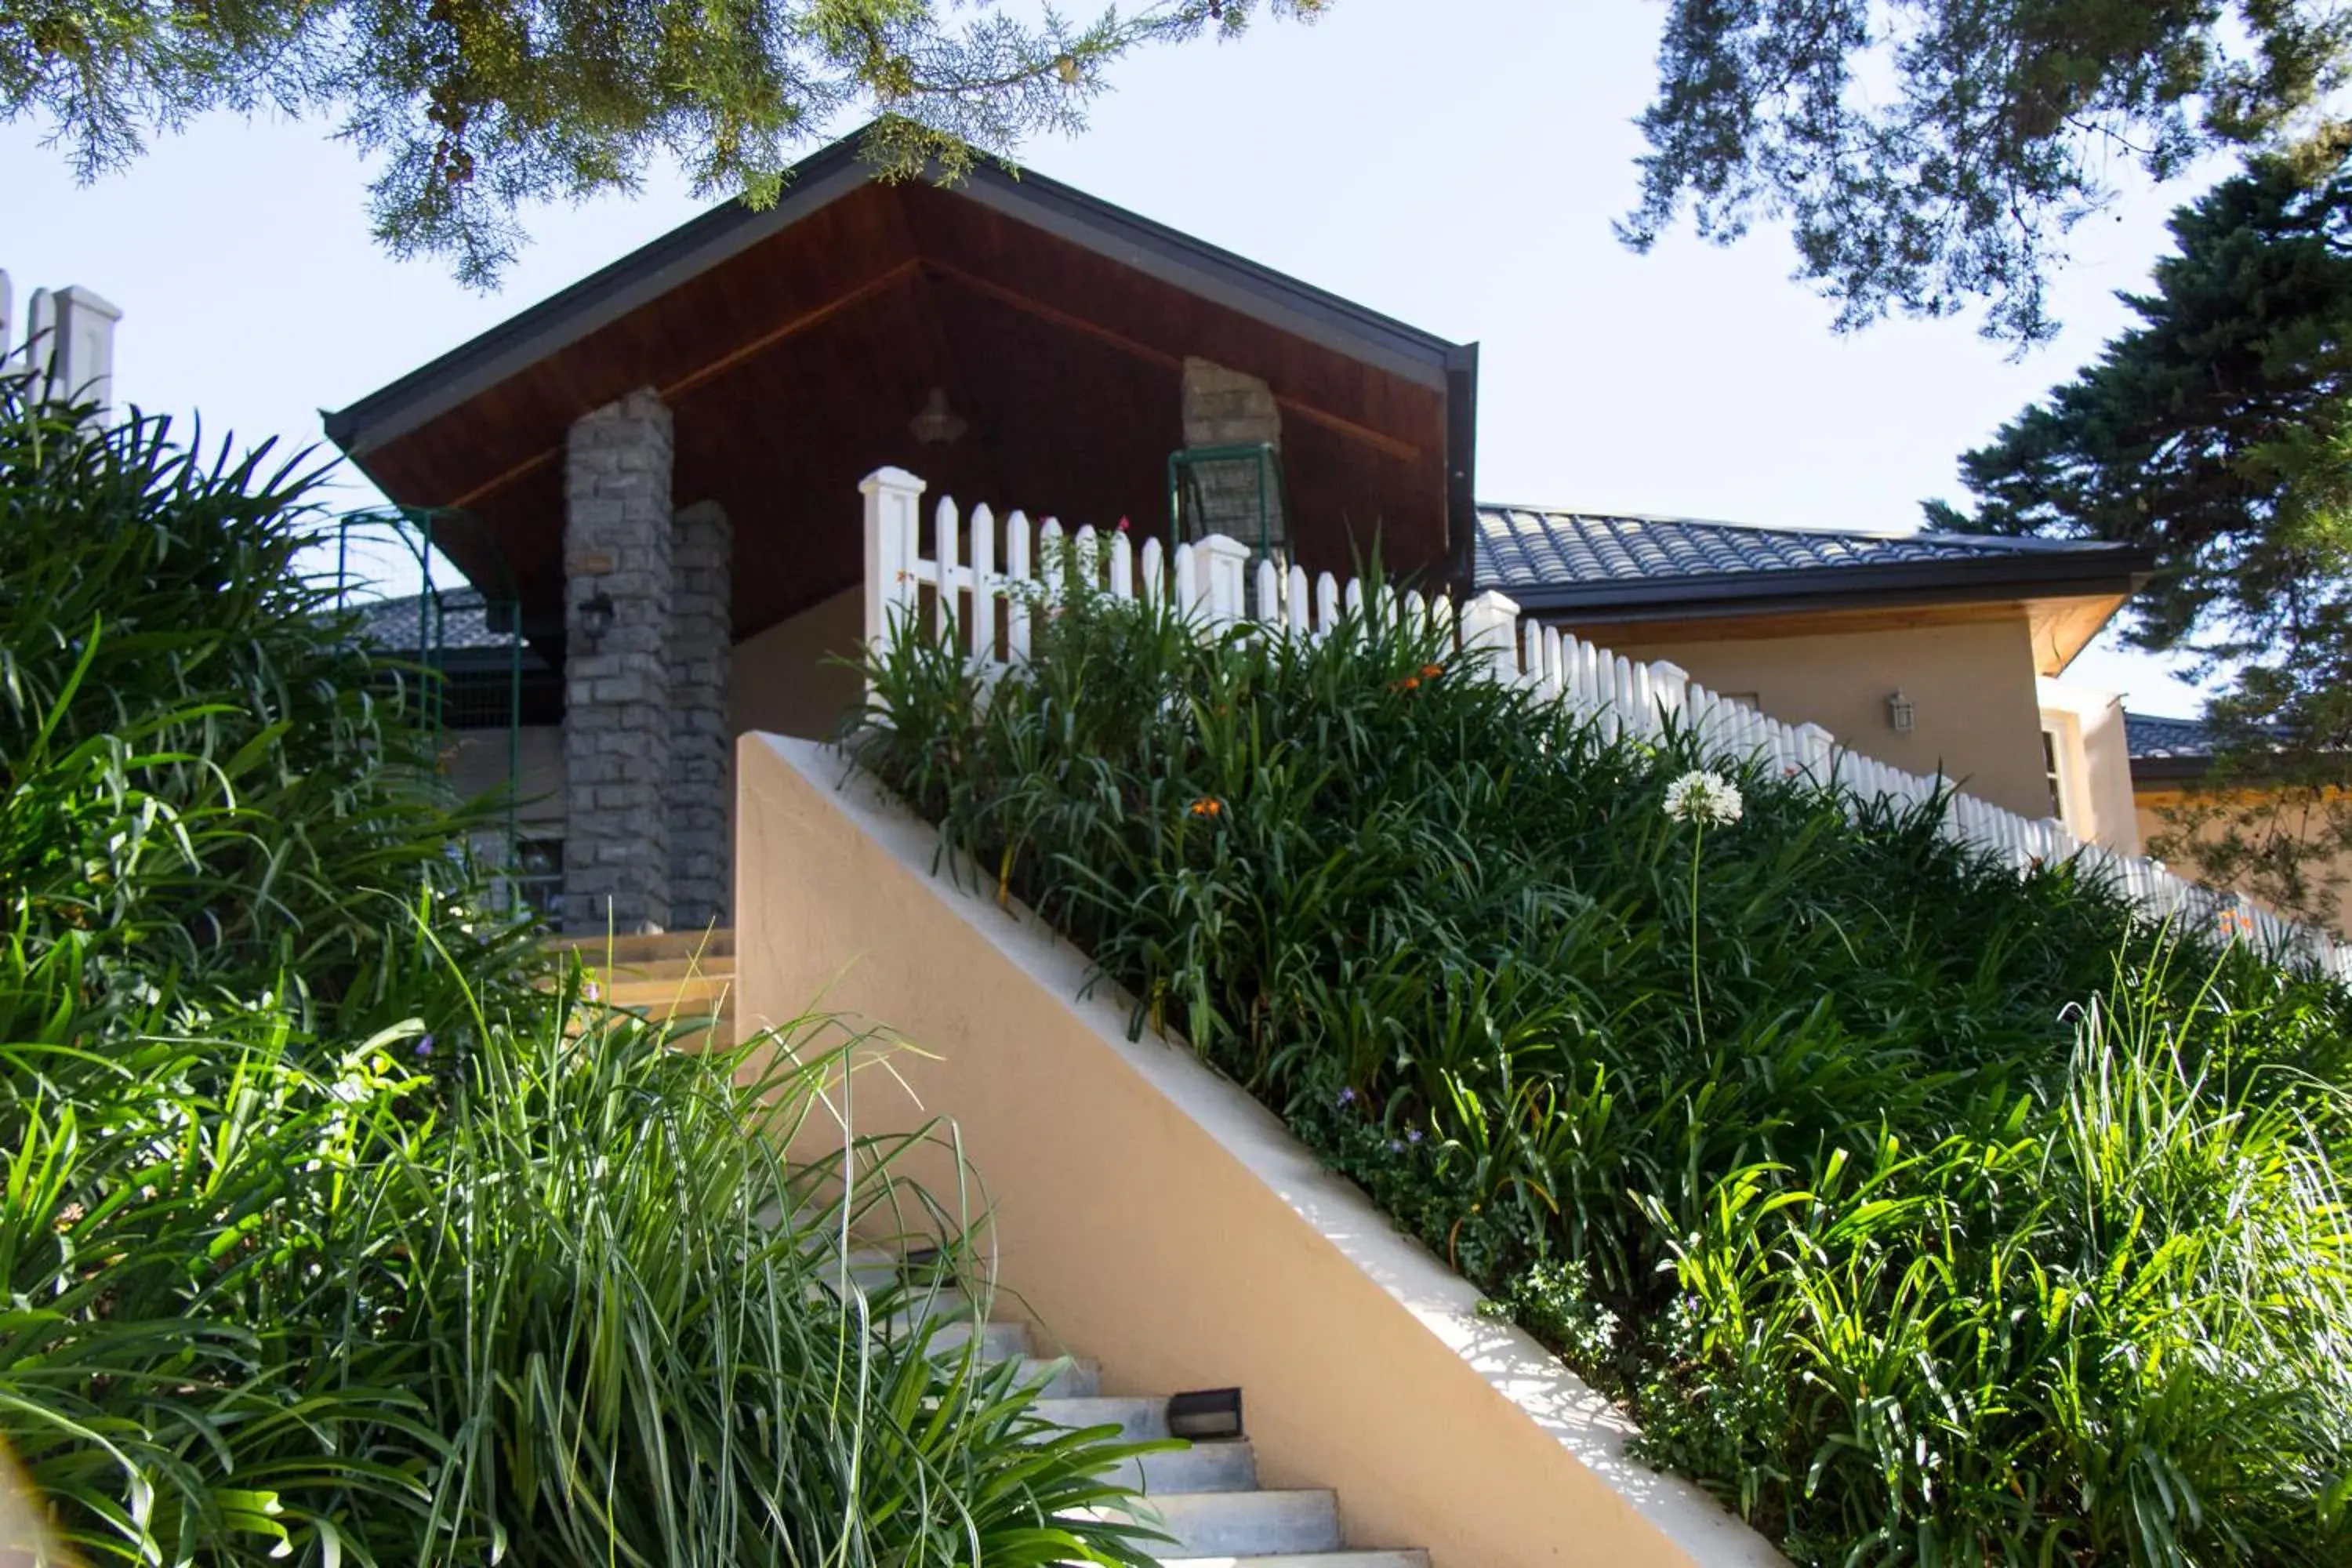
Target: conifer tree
2218	432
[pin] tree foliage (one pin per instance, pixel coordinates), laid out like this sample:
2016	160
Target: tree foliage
2217	433
475	108
1929	153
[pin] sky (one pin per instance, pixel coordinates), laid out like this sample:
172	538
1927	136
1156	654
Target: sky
1453	165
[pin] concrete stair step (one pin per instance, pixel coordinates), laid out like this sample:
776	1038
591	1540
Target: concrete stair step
1067	1377
1137	1419
696	993
1253	1524
598	949
999	1341
1407	1559
651	970
1203	1468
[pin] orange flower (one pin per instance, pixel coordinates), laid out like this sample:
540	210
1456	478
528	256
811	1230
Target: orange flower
1411	681
1433	671
1207	807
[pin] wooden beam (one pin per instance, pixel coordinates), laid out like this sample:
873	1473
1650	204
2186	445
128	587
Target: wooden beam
1336	424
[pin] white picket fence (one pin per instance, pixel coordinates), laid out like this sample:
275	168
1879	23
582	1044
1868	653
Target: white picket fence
986	577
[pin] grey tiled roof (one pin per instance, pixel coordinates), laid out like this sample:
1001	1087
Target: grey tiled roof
1533	547
2148	736
393	623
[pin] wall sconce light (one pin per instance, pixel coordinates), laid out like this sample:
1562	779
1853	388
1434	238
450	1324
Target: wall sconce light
1206	1414
938	424
1898	712
596	616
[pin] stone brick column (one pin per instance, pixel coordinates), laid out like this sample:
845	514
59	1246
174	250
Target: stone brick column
616	722
701	848
1226	408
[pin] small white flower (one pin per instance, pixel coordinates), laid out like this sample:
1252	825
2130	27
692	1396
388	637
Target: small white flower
1708	799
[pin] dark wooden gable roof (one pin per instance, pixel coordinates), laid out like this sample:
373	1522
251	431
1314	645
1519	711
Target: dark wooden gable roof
795	344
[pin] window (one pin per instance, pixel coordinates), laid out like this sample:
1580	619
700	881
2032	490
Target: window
538	878
2053	770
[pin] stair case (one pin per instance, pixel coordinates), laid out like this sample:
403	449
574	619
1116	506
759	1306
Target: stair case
1206	1497
675	974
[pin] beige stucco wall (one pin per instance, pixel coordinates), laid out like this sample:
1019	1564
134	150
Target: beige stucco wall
2150	804
2094	762
475	762
1151	1215
782	683
1972	691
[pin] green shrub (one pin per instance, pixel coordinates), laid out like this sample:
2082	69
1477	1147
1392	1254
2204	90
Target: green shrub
206	771
335	1224
579	1310
1932	1213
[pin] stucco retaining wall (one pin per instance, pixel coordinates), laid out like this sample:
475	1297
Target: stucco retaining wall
1153	1216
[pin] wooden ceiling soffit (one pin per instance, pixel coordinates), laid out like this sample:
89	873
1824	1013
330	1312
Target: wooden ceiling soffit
1379	440
904	273
601	299
2064	627
1202	271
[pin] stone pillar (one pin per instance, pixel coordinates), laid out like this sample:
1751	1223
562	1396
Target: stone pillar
616	722
701	641
1226	408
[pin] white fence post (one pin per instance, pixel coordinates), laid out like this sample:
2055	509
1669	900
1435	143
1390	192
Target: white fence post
1669	690
1221	570
1489	629
1817	753
893	500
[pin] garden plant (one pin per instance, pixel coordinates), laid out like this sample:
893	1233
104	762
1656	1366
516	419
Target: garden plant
1923	1210
336	1223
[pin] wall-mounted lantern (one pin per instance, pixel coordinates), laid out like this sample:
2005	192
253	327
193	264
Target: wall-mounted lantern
938	424
1898	712
596	616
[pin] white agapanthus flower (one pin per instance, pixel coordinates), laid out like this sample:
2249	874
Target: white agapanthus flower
1708	799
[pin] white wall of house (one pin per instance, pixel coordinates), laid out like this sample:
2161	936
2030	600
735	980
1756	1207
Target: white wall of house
2086	729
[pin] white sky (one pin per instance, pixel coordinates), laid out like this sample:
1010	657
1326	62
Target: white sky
1455	166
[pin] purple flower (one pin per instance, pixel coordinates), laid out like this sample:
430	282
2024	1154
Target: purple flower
1413	1134
1347	1097
425	1046
1395	1147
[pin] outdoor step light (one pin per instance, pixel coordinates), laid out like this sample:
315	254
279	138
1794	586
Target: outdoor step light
1206	1414
1898	712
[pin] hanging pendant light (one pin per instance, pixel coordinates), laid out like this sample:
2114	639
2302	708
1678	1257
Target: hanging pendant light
938	424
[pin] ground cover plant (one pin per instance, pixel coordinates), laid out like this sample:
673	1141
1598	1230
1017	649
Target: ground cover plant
1924	1211
335	1224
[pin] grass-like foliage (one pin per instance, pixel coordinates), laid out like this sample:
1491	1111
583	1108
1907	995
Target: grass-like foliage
1932	1214
334	1225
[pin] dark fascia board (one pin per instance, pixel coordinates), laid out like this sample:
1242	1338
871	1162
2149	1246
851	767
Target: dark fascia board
694	247
2169	770
1462	467
2105	569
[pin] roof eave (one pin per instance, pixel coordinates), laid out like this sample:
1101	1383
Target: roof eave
2089	574
703	242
